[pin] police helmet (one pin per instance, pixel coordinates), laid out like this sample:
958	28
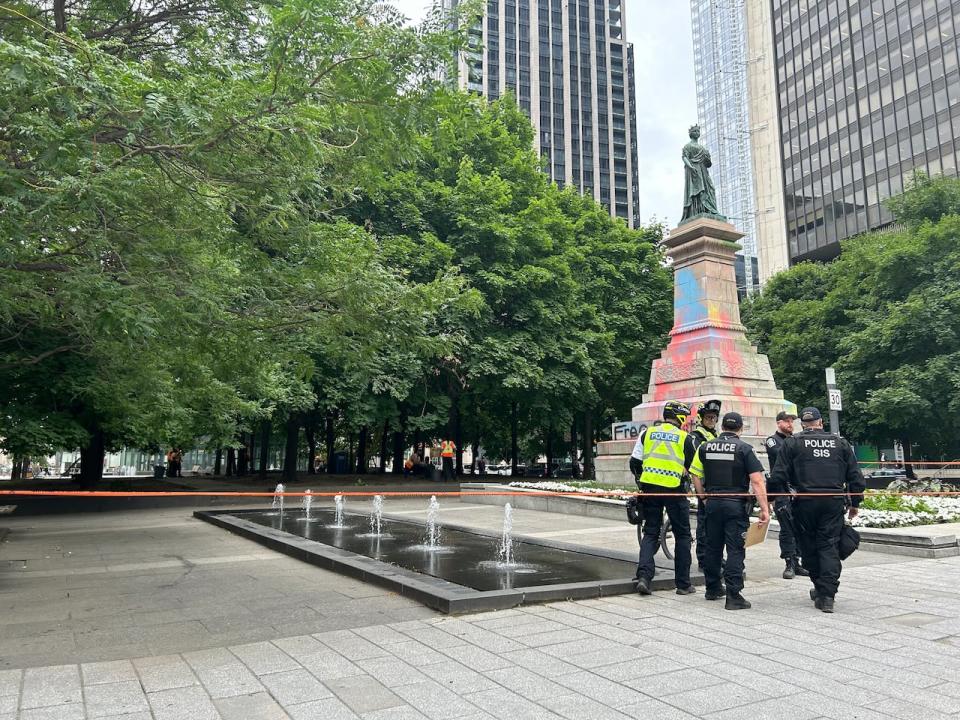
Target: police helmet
676	410
710	406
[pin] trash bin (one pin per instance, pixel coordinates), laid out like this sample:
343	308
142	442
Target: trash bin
159	471
435	474
340	463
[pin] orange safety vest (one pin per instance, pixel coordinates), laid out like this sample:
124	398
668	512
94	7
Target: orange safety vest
447	448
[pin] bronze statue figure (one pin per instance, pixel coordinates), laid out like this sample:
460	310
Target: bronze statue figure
699	195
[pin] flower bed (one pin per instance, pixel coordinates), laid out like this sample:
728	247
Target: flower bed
583	488
880	510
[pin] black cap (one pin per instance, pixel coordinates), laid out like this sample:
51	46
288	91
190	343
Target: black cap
732	421
784	415
810	414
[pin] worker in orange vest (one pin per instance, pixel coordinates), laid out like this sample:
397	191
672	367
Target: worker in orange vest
448	449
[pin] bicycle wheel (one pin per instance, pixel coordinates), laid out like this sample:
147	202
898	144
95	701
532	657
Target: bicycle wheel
666	537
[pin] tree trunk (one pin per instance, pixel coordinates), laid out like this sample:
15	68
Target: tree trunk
549	471
362	451
574	460
231	462
588	444
907	458
243	456
514	450
264	448
91	459
311	433
17	472
350	455
60	15
458	439
475	447
218	462
398	452
383	446
291	451
330	440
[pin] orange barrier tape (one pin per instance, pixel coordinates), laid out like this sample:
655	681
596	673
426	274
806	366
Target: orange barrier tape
412	493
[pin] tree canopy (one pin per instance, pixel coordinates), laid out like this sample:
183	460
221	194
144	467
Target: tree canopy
886	315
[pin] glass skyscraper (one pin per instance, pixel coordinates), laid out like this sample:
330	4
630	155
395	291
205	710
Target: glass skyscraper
720	69
868	92
571	70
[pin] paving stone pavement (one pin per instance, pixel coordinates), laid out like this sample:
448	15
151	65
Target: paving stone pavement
890	651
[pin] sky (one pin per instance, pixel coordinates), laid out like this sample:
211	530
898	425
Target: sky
666	97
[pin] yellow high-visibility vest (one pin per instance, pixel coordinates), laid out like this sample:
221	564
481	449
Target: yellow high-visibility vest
447	448
663	455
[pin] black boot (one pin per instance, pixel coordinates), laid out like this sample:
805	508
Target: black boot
736	601
799	569
824	604
643	586
813	595
789	571
714	594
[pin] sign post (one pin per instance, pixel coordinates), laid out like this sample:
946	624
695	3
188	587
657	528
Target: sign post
836	401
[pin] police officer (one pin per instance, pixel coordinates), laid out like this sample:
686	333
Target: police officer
781	504
724	470
823	465
661	458
706	429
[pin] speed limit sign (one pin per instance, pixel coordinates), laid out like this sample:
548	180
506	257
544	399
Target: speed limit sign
836	401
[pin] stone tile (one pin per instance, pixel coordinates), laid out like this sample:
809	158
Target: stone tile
625	672
668	683
222	674
164	672
607	656
782	708
395	713
905	693
714	698
44	687
476	658
600	689
295	686
507	705
182	703
10	682
363	694
258	706
327	709
526	683
435	701
392	672
264	658
415	653
578	707
657	710
114	671
459	678
350	645
70	711
115	699
540	662
328	665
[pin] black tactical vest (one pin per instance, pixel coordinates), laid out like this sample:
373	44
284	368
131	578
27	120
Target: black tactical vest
723	468
819	460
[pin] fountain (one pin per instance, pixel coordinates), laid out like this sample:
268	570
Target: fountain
433	528
337	511
505	551
278	497
376	516
307	504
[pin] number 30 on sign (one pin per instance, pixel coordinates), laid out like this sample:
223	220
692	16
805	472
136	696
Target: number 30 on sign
836	401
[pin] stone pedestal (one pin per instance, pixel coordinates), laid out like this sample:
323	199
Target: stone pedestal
709	355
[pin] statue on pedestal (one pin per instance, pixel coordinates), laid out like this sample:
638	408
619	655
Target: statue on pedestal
699	195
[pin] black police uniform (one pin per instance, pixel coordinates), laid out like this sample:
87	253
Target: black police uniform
781	504
819	462
700	435
727	464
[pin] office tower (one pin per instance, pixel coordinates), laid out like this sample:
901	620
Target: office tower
720	69
867	93
571	70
